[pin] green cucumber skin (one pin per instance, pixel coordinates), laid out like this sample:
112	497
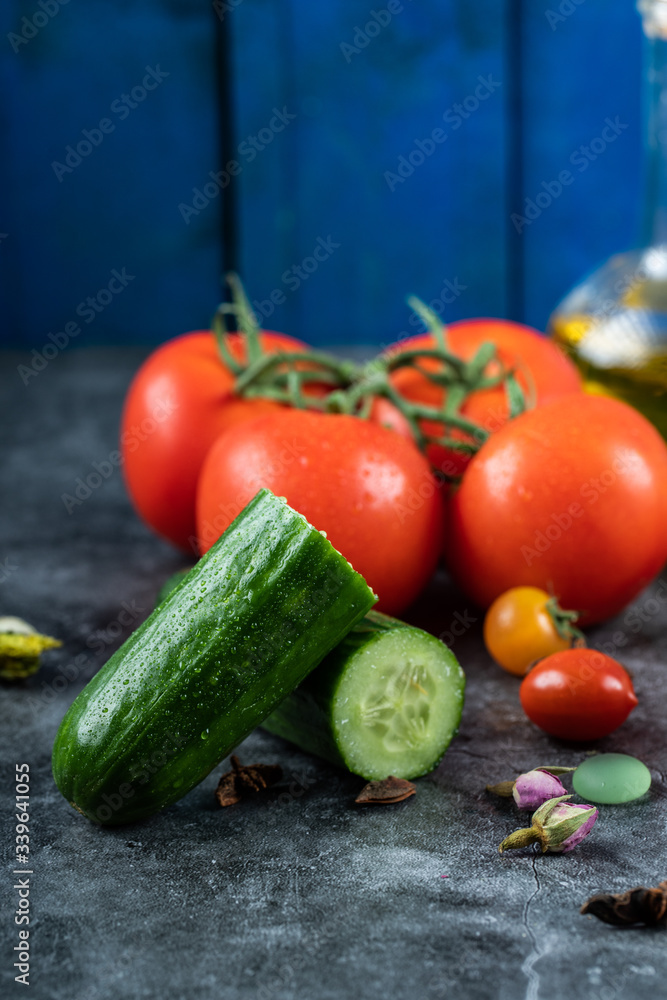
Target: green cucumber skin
225	647
304	718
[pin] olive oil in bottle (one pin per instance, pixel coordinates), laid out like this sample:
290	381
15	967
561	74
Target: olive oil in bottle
614	324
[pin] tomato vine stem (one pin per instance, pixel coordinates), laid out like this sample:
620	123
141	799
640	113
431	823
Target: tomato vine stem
343	386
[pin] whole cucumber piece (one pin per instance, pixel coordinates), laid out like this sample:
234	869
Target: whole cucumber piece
387	700
223	649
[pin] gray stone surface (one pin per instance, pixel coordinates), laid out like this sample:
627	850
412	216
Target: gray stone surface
303	895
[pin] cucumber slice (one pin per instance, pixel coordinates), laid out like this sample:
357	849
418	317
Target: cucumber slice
222	650
387	700
171	583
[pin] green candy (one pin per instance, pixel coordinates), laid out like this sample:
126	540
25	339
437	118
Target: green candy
611	778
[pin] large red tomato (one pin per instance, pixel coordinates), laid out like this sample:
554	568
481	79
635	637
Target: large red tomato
570	497
371	491
542	370
180	400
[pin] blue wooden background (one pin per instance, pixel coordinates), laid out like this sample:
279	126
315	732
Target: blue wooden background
355	93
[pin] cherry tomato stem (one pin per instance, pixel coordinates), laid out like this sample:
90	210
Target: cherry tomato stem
525	624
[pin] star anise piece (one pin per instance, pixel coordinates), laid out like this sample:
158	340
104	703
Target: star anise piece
245	780
391	789
636	906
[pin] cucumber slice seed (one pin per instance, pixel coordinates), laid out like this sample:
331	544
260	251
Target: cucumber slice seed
398	705
396	708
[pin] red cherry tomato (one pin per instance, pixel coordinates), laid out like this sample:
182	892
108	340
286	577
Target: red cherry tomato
371	492
579	694
570	497
179	402
542	370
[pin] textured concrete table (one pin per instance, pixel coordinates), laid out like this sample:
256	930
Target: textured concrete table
302	895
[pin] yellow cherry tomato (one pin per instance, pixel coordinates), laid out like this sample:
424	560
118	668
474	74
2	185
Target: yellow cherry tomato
520	627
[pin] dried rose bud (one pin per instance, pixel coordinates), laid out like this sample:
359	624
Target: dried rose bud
557	826
534	787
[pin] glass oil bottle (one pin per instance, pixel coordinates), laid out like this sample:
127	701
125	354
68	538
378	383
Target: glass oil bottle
614	324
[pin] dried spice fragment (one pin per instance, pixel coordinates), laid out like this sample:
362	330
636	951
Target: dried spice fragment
635	906
391	789
245	780
226	793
